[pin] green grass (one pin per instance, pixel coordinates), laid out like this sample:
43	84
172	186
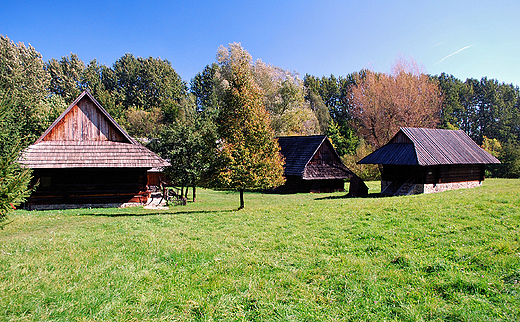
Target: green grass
452	256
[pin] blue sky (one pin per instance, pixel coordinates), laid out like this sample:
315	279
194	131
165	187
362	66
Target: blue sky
462	38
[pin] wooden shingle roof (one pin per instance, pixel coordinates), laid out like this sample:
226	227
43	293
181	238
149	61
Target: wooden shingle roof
424	147
298	152
86	136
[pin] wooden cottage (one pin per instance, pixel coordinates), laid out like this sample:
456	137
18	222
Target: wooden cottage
85	159
313	165
420	160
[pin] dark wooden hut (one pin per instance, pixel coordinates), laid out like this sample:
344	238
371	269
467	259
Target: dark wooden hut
313	165
420	160
85	159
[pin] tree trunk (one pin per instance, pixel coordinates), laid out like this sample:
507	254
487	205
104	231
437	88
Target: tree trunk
241	199
194	193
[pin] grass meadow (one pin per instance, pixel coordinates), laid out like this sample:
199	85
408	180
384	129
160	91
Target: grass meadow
451	256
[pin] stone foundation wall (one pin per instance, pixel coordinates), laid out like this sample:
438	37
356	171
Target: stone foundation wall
432	188
411	189
78	206
439	187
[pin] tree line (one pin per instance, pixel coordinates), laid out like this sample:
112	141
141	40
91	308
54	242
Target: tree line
182	121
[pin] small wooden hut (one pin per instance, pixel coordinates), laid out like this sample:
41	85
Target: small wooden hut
313	165
85	159
420	160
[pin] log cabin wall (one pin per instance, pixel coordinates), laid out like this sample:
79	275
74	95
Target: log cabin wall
454	173
403	173
433	174
155	178
292	184
330	185
89	186
295	184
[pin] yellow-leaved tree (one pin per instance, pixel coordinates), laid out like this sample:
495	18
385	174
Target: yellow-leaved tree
248	156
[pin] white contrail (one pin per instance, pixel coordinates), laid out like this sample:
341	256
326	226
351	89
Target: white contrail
458	51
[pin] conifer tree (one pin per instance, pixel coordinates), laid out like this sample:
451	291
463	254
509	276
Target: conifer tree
14	180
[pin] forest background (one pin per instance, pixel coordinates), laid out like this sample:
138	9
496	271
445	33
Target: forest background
359	112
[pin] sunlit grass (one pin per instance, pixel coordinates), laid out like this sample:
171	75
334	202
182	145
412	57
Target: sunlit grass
312	257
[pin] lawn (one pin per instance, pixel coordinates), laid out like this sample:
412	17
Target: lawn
451	256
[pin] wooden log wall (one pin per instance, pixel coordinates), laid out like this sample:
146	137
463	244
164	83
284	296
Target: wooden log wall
454	173
294	184
433	174
89	186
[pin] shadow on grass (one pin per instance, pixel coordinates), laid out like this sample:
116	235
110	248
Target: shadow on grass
156	213
370	195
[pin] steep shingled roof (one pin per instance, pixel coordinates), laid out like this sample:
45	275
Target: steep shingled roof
424	147
86	136
299	151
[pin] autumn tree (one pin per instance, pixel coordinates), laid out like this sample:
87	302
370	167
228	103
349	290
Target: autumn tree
284	99
283	96
384	102
249	156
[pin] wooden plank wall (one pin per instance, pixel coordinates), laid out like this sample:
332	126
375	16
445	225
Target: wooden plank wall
401	138
85	122
324	155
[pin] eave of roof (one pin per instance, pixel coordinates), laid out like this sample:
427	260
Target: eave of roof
89	154
392	153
